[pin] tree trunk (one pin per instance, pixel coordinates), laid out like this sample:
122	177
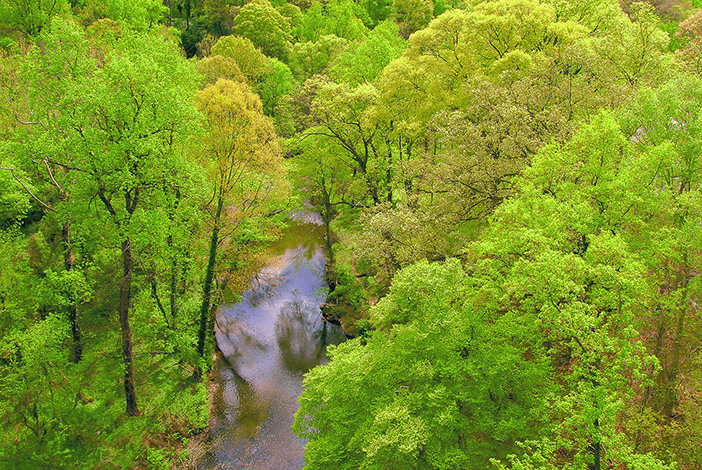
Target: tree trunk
597	465
373	189
124	293
327	214
596	452
672	374
172	296
207	288
68	257
388	176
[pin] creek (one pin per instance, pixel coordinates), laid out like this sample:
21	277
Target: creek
267	342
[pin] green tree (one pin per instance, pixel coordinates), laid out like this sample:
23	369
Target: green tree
140	15
311	27
665	128
215	67
312	58
293	13
412	15
344	18
266	27
691	32
613	182
15	201
341	114
378	11
118	141
341	18
540	333
275	87
479	91
635	52
362	61
32	148
438	386
321	168
30	16
217	14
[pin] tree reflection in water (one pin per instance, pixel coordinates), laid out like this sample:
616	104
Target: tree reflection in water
301	343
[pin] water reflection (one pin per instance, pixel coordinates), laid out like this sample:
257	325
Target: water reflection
268	342
300	343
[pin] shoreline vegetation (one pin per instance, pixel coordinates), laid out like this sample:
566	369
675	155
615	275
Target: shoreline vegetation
510	196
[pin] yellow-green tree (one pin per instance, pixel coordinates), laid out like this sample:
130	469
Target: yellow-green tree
252	62
480	90
242	156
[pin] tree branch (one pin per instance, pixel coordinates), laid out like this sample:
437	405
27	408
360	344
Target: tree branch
28	190
51	175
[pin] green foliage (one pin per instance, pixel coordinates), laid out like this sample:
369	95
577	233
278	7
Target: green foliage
140	15
566	335
158	459
216	14
408	394
564	291
600	187
35	393
244	163
101	126
275	87
348	290
690	50
216	67
395	237
346	19
30	17
14	200
292	12
340	116
252	63
312	58
362	61
190	38
16	284
311	25
413	15
378	11
266	27
342	18
473	98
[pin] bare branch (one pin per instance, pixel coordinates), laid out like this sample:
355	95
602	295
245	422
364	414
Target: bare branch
51	175
28	190
10	104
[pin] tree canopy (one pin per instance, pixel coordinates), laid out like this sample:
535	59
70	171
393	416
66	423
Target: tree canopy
509	193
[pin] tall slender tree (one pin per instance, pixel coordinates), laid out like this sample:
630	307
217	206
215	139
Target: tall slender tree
241	152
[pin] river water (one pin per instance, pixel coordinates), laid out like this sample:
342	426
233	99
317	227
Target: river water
268	341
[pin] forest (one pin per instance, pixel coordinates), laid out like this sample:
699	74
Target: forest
511	196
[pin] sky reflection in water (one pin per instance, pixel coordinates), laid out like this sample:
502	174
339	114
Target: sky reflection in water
269	341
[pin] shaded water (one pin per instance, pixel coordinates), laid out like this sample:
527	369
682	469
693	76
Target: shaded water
269	340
